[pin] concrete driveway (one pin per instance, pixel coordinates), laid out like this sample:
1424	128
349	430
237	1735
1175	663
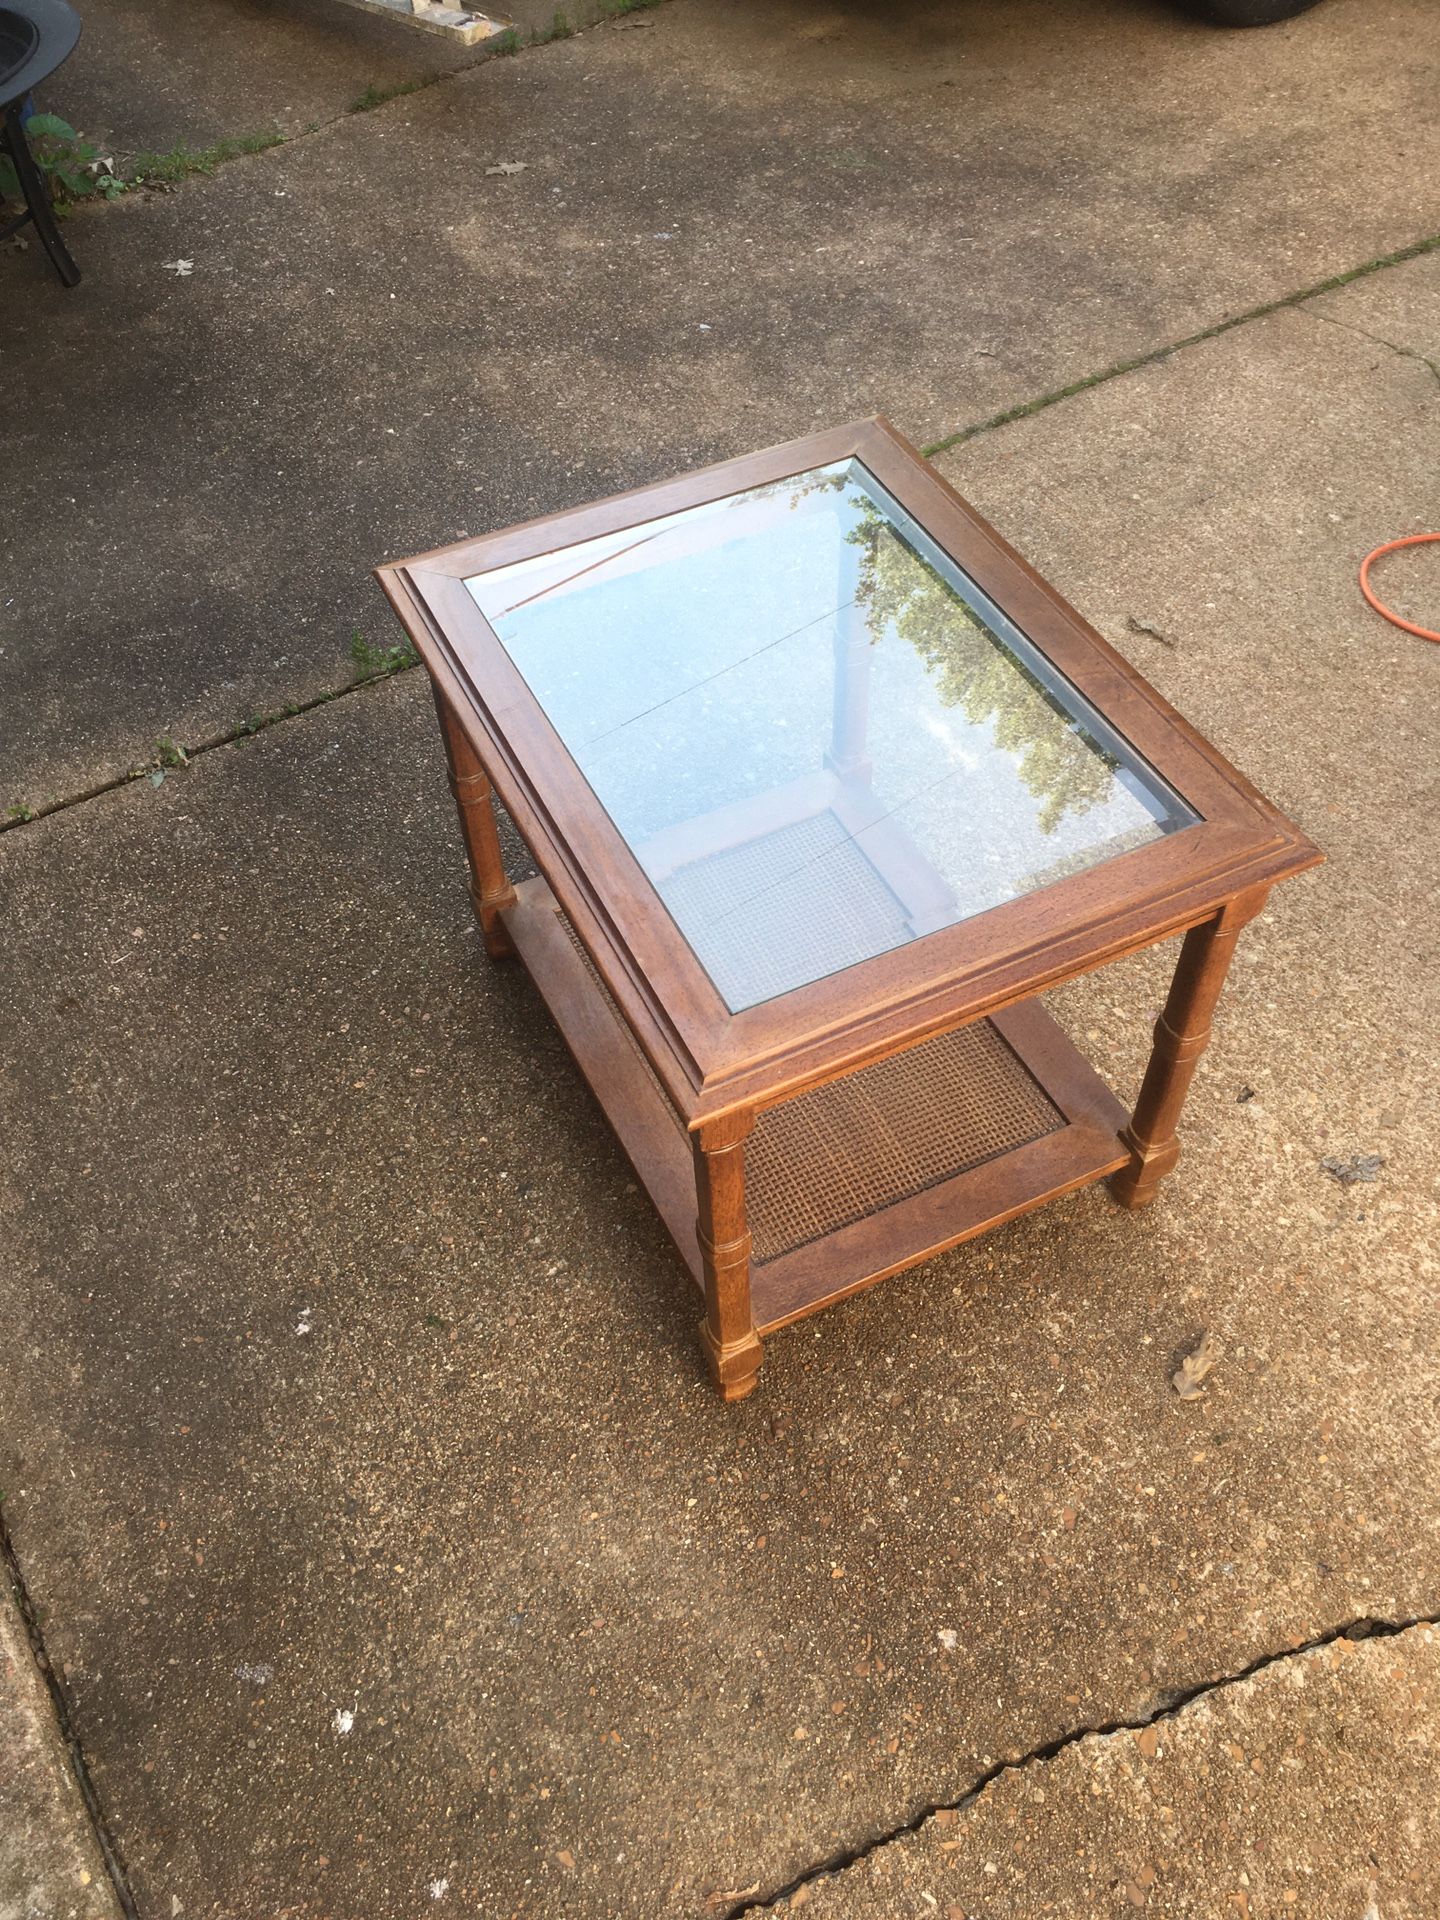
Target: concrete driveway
370	1508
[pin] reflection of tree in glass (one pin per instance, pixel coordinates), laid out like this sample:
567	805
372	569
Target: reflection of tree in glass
800	487
1066	771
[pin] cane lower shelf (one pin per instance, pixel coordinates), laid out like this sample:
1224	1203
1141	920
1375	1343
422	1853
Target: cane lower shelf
825	786
865	1174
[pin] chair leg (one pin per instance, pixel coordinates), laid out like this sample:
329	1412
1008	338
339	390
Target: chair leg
37	197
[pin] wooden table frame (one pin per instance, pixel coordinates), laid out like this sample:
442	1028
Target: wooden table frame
685	1081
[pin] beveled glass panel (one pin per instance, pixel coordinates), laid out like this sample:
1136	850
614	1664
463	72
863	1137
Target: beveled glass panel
816	734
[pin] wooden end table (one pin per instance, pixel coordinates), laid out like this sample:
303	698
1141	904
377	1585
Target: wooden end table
824	785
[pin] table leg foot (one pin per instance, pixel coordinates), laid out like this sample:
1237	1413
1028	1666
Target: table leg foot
735	1368
727	1333
493	931
1136	1186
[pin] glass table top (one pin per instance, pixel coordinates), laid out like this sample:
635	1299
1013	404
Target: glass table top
817	736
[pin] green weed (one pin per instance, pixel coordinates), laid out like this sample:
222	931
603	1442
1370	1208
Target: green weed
74	169
373	96
372	661
558	29
77	170
180	163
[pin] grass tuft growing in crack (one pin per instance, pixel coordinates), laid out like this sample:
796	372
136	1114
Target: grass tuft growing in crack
77	170
379	663
182	163
373	96
372	662
558	29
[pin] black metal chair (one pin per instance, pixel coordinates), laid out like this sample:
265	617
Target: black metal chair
35	36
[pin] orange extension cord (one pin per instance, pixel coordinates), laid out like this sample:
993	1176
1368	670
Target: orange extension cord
1394	546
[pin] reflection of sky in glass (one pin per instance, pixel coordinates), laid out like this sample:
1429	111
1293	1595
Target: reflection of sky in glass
815	734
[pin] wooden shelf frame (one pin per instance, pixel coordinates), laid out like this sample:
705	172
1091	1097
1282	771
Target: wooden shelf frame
1087	1146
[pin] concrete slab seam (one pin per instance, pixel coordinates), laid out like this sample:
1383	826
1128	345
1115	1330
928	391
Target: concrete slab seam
1291	302
1415	251
1364	1628
497	46
69	1739
245	730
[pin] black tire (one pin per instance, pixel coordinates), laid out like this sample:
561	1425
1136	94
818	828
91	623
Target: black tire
1250	13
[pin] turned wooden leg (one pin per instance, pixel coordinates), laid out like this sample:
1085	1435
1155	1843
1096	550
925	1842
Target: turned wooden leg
490	889
1182	1034
727	1332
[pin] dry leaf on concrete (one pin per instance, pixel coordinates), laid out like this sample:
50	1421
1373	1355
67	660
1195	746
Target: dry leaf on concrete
1194	1367
1360	1166
1151	633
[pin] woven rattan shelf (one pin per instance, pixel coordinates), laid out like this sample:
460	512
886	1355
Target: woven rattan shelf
867	1173
855	1146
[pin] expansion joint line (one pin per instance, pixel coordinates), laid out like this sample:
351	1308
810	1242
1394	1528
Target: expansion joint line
1364	1628
228	737
23	815
1284	304
109	1851
508	42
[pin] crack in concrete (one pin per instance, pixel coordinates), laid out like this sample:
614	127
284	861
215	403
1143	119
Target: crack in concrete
1364	1628
74	1752
1406	353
